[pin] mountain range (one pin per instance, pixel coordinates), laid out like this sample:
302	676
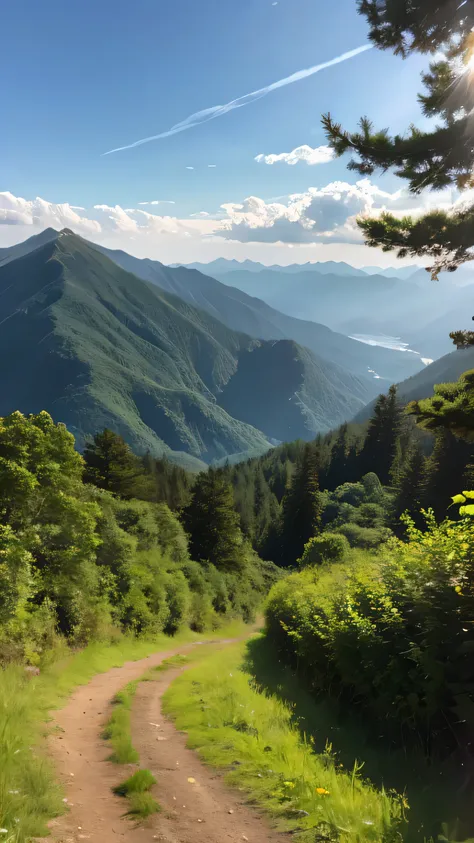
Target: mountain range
417	310
99	347
184	364
246	313
223	265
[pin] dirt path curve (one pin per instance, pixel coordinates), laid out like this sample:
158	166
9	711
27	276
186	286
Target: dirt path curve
202	811
96	814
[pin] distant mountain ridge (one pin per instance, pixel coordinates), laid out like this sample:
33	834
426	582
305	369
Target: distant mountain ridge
367	304
97	346
243	312
222	265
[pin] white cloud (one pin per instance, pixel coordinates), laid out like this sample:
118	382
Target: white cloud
320	223
320	215
158	202
37	212
120	217
190	168
319	155
212	166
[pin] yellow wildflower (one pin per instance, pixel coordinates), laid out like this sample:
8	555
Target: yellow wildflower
322	791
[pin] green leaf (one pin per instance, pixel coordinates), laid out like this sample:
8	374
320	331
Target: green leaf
458	499
469	495
467	510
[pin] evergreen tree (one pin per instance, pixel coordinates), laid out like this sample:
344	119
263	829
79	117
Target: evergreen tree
451	407
213	523
380	446
410	488
111	465
169	483
446	470
301	507
337	469
440	157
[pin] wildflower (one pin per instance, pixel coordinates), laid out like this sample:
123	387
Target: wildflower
322	791
289	784
405	803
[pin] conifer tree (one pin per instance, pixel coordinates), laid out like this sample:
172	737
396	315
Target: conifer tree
301	507
410	488
213	523
337	470
380	446
451	407
112	465
437	158
446	469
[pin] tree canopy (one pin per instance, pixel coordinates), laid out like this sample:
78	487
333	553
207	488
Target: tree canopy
451	407
437	158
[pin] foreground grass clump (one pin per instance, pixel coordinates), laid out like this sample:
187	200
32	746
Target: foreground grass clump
136	789
29	793
117	730
234	726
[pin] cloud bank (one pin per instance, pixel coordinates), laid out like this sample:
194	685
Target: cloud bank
219	110
320	217
319	155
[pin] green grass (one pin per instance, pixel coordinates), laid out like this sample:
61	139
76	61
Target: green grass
251	735
434	790
136	789
118	729
140	782
29	793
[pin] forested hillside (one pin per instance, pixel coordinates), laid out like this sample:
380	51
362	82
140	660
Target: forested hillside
93	546
99	347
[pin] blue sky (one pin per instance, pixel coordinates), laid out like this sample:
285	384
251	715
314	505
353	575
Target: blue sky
92	76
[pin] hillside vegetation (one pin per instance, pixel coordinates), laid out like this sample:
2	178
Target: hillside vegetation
85	561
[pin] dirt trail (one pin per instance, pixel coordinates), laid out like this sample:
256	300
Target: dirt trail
81	756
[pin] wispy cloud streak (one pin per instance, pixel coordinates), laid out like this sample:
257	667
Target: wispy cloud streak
219	110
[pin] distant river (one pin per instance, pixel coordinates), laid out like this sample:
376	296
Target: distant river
395	343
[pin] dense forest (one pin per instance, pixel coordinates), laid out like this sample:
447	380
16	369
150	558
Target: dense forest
93	545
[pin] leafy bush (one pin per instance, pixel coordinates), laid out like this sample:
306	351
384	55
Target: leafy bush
328	547
393	632
367	538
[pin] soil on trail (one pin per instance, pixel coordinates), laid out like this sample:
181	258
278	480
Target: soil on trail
205	811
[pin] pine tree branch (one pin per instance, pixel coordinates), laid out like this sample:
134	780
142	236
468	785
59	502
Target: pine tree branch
416	25
447	238
435	159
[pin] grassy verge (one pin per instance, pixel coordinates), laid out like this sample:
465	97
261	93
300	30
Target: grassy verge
29	793
236	727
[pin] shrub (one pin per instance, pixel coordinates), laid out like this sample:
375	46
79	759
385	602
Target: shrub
366	538
393	632
328	547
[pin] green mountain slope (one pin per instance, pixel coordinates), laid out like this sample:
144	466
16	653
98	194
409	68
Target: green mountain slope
243	312
96	346
445	370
